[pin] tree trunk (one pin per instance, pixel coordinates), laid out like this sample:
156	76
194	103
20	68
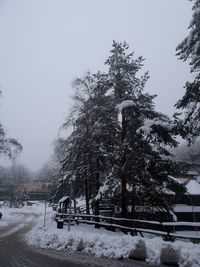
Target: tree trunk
87	196
97	184
123	176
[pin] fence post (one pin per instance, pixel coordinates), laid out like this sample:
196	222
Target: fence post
45	213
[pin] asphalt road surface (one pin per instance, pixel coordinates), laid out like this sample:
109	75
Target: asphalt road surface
14	252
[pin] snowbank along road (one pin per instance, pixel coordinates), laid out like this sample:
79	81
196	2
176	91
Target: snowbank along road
14	252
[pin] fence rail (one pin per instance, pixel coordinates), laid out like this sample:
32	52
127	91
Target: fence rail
134	226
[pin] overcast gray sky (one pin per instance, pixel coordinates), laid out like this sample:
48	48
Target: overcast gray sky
45	44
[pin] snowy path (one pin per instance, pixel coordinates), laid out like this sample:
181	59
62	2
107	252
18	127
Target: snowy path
14	252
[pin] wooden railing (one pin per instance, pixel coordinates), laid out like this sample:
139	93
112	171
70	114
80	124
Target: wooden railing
133	226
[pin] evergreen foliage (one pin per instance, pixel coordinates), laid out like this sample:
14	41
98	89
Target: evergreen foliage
119	142
189	49
90	147
145	134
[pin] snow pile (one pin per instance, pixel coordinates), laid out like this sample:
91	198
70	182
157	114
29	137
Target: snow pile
190	254
102	243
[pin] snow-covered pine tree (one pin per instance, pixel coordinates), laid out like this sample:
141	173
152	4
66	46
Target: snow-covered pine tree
189	49
104	129
119	142
63	150
145	134
92	140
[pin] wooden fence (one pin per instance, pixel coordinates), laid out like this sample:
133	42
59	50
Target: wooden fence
168	230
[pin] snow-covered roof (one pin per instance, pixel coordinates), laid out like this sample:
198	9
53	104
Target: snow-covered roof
180	180
193	187
186	208
168	191
63	199
195	173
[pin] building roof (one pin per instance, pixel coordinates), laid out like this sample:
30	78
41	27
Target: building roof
179	179
63	199
194	173
193	187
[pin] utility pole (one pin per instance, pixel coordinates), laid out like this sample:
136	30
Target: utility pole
12	182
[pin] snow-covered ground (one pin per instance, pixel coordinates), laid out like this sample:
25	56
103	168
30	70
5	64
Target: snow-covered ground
13	215
87	239
103	243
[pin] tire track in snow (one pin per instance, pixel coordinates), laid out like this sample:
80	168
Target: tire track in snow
12	231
